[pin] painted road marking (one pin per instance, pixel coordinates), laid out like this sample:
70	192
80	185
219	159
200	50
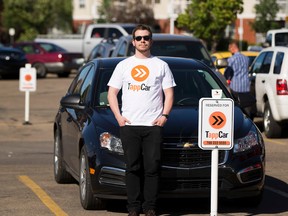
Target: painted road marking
275	141
42	195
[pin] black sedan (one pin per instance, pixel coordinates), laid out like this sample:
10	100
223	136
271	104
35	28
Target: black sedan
11	60
87	145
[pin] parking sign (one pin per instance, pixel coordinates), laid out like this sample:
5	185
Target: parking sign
216	123
27	78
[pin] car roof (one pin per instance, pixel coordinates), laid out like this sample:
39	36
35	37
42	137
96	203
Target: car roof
276	48
162	37
9	49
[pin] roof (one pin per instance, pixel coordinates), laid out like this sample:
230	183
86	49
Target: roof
161	36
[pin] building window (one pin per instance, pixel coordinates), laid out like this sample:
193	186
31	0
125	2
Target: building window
81	3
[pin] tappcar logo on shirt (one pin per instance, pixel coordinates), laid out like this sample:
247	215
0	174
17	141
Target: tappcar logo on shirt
139	73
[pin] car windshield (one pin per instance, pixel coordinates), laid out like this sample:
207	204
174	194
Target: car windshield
191	86
185	49
52	48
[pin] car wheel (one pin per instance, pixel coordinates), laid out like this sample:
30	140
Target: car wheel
88	201
272	129
60	173
64	74
40	70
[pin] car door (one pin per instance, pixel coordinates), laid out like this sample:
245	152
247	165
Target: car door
261	77
70	127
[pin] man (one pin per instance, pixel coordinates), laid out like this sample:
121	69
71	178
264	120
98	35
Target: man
143	78
239	80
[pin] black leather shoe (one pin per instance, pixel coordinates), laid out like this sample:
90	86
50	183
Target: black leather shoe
133	213
150	212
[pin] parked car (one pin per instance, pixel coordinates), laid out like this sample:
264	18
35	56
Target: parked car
87	145
269	78
102	50
167	45
94	34
225	55
50	58
11	60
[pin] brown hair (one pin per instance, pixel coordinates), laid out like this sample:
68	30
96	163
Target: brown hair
142	27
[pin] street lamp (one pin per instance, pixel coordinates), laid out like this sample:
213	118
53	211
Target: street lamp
11	33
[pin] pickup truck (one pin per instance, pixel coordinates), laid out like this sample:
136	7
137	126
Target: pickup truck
277	37
269	78
92	36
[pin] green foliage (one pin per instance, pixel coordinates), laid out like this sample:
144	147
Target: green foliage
30	17
266	12
103	11
207	19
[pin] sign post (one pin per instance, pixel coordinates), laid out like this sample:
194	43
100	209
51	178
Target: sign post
27	83
215	132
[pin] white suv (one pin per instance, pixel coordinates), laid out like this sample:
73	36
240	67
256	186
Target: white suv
270	70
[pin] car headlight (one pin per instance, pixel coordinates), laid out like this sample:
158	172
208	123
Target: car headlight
111	142
247	142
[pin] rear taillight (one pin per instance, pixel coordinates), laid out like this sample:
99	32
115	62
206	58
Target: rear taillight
281	87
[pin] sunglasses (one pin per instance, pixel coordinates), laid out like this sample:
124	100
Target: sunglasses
139	38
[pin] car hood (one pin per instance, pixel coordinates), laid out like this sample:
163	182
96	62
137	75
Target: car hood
182	122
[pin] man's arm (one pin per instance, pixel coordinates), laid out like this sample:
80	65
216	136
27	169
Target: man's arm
169	99
113	103
168	103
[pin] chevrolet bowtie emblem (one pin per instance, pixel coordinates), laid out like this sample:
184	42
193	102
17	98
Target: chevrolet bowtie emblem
188	145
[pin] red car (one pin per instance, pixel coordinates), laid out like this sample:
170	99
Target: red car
50	58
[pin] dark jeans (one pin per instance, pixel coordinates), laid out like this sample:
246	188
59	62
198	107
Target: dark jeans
142	151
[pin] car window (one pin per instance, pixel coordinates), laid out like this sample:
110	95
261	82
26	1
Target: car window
122	50
51	47
114	33
281	39
85	91
278	62
265	67
185	49
102	88
192	85
77	82
98	32
257	64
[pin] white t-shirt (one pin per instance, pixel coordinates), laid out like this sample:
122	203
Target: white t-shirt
142	82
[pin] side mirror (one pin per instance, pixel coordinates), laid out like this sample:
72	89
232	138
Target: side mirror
72	101
221	63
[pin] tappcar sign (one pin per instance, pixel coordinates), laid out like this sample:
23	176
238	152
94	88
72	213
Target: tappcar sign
216	123
27	78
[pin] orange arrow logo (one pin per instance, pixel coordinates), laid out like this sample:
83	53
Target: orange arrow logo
217	120
140	73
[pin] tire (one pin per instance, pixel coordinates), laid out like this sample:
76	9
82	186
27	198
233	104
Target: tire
88	201
40	70
60	174
272	129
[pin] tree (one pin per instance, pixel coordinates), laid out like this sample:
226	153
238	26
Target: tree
266	12
208	19
29	17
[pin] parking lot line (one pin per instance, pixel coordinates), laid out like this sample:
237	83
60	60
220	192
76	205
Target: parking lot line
275	141
42	195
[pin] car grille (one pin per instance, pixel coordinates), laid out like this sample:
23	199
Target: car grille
186	154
